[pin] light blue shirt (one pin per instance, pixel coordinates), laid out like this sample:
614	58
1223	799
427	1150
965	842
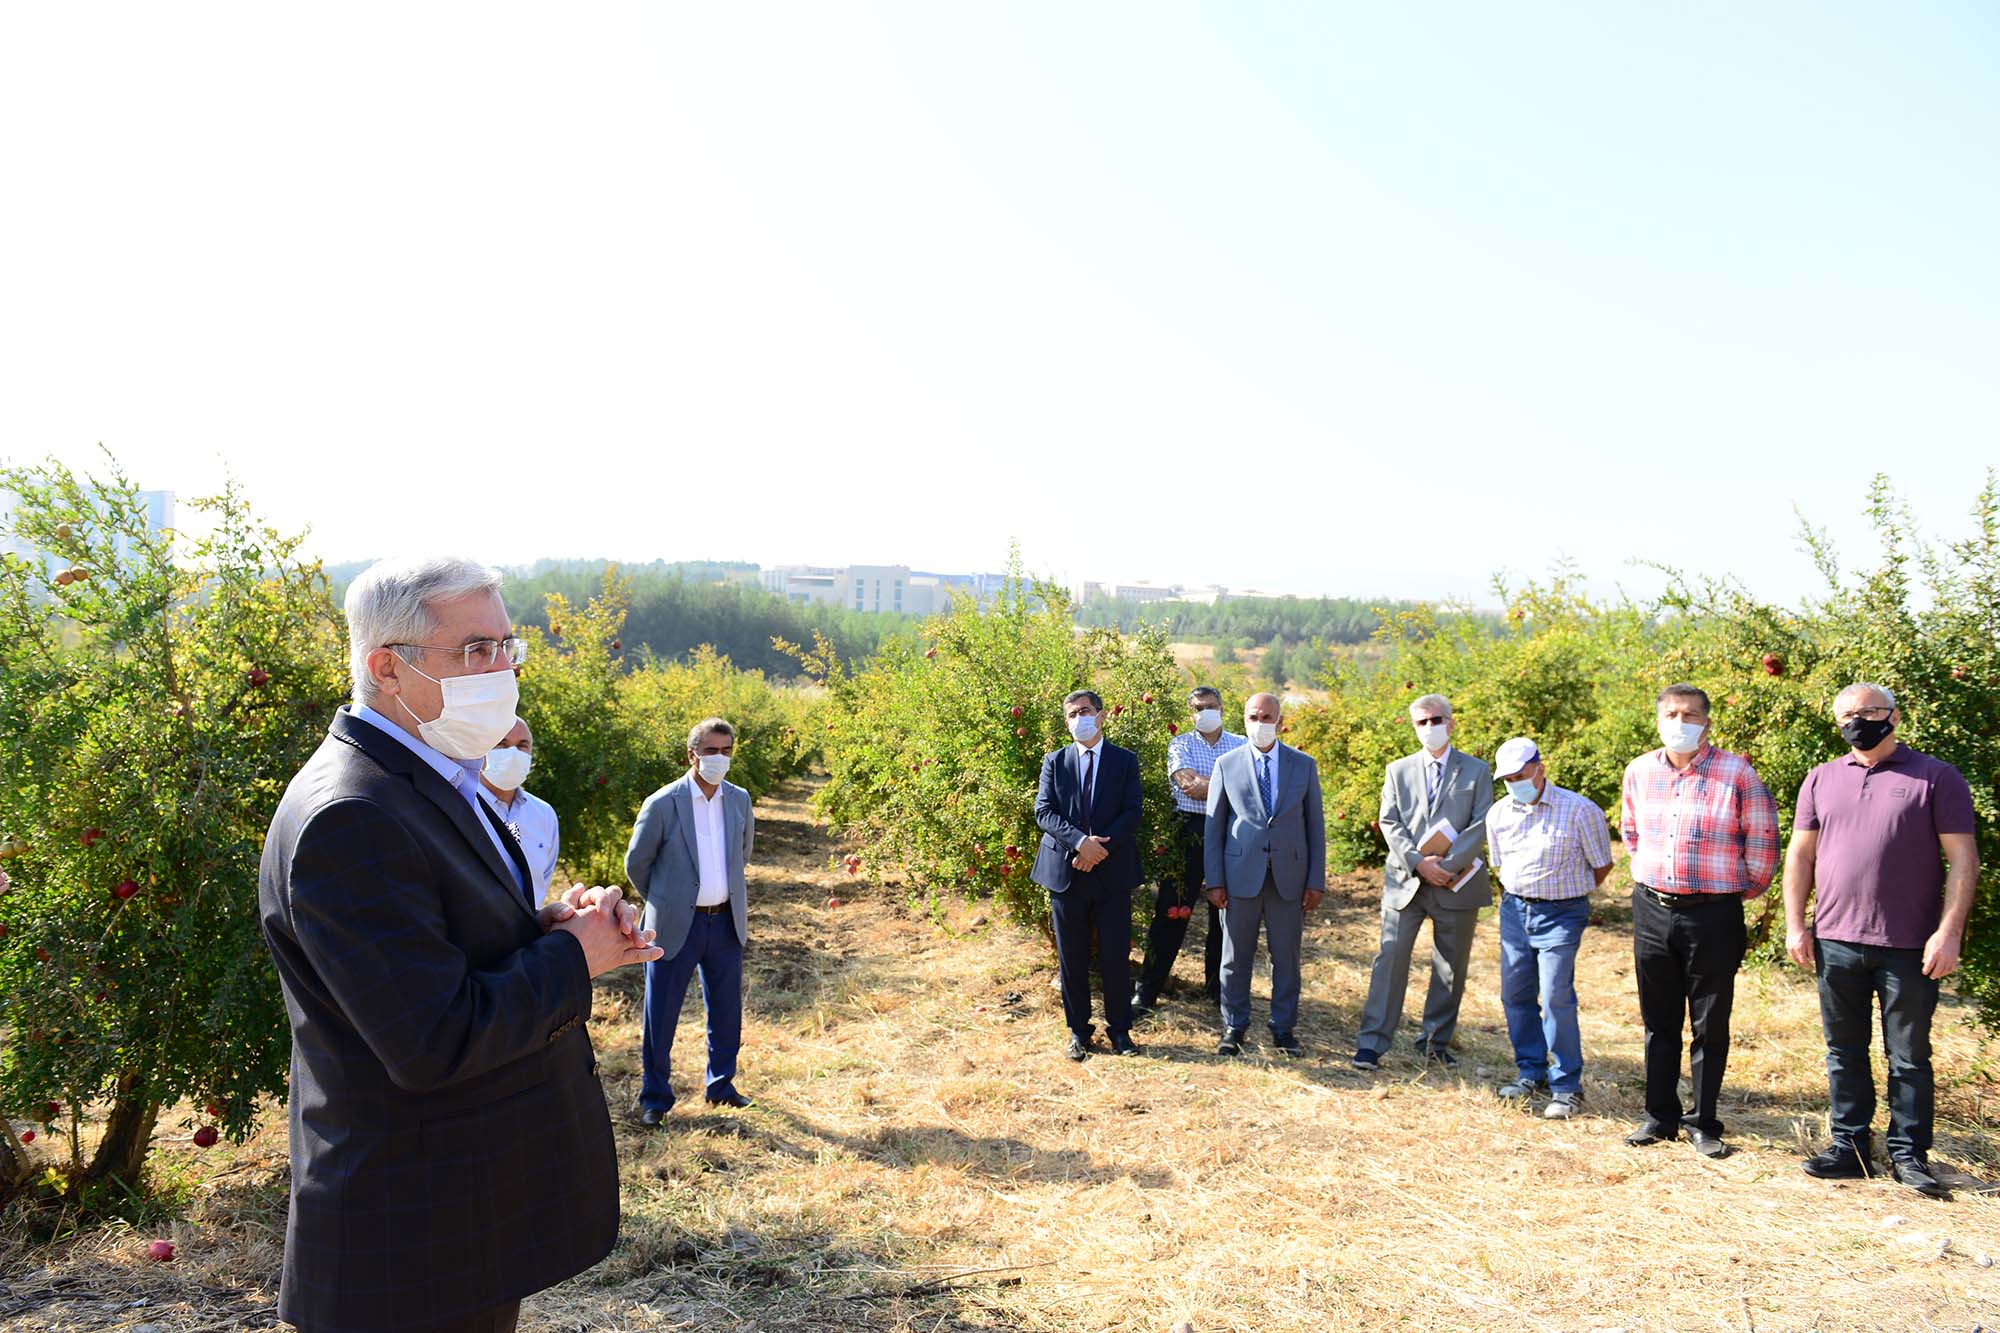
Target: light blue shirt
533	823
461	774
1191	750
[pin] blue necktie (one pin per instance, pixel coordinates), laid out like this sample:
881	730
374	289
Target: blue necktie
1264	784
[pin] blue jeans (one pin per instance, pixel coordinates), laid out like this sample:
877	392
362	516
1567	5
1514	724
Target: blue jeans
1538	943
1851	976
713	950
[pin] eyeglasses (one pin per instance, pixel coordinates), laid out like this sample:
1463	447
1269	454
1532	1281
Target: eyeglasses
480	654
1875	714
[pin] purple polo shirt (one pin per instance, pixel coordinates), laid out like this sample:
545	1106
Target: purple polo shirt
1878	872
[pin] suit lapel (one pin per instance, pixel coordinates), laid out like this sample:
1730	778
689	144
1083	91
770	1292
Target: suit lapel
469	822
690	832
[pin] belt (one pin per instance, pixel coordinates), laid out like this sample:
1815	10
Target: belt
716	910
1684	901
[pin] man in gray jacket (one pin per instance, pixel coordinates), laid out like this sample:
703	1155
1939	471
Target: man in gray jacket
687	857
1265	848
1438	782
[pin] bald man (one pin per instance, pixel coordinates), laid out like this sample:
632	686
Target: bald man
1265	845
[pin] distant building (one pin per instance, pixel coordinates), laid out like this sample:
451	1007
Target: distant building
803	583
1144	592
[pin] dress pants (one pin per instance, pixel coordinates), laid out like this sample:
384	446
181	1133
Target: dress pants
1451	949
1075	913
714	951
1851	976
1685	960
1284	923
1166	935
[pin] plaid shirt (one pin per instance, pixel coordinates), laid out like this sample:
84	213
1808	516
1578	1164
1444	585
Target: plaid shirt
1548	850
1710	829
1189	750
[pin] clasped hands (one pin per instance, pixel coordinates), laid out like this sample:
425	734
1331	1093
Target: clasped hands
1092	853
1431	871
604	924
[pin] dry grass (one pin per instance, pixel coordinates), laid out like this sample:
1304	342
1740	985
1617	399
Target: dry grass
916	1122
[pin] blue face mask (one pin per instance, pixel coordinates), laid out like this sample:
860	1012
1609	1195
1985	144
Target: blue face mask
1522	790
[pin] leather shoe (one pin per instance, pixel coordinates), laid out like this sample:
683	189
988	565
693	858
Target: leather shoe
1079	1049
1439	1055
1287	1043
1646	1135
1142	1006
1838	1161
1231	1043
1121	1044
730	1098
1708	1145
651	1117
1915	1172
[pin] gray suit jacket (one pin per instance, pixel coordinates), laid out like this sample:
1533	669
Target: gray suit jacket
1243	840
1464	793
664	863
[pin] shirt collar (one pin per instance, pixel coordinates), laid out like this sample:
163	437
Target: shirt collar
1700	759
460	773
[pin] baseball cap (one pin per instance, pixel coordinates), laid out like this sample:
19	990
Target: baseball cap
1514	756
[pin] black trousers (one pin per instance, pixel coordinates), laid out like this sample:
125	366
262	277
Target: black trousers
1075	913
1685	959
500	1319
1166	935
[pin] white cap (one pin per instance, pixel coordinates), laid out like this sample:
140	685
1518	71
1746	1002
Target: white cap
1514	756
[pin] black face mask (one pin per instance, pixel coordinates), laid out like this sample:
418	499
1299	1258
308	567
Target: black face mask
1866	733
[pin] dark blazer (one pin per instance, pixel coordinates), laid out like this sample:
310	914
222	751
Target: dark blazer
1114	814
451	1150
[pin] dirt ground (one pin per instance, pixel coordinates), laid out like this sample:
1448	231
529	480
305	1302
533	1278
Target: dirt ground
922	1158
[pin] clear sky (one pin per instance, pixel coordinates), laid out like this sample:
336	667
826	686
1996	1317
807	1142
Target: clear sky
1361	299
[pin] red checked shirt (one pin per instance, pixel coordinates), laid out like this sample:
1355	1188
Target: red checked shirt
1711	828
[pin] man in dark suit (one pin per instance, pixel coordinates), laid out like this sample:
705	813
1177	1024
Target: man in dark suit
1265	850
1087	806
444	1098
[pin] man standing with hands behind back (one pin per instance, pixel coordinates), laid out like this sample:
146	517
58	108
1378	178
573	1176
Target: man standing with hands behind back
1087	806
1266	865
444	1096
1439	781
690	847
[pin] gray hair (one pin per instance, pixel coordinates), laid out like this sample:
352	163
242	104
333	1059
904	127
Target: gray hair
699	732
1888	697
1430	703
390	603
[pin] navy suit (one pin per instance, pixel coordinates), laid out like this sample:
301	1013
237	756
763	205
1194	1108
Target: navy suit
1100	899
451	1150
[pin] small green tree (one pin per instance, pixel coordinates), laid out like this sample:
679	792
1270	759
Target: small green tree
156	694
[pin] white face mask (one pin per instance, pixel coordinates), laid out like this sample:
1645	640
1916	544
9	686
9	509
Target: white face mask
507	767
478	713
1207	720
1084	727
1433	736
712	767
1681	737
1261	734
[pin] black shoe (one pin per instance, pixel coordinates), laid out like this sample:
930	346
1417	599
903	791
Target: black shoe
651	1117
1121	1044
1231	1043
730	1098
1079	1049
1143	1007
1439	1055
1838	1161
1648	1134
1366	1059
1707	1144
1287	1043
1915	1172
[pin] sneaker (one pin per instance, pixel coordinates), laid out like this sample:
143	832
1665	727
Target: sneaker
1838	1161
1287	1044
1521	1088
1563	1106
1915	1172
1231	1043
1366	1059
